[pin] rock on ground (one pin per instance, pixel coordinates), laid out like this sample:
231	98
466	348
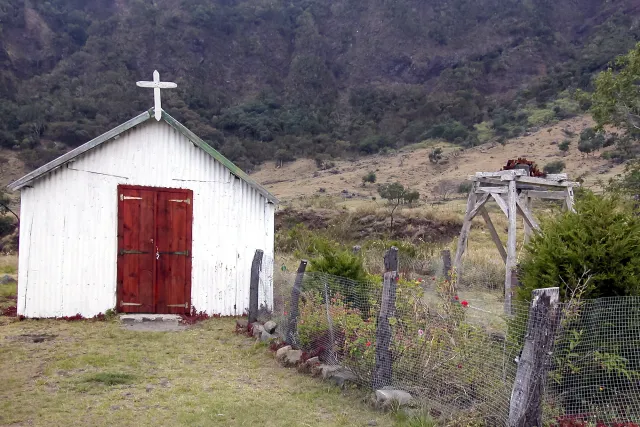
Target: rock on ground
292	357
266	336
270	326
282	352
387	397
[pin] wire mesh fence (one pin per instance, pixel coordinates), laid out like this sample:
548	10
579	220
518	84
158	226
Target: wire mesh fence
460	356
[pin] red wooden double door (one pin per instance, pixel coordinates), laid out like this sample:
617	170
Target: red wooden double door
154	249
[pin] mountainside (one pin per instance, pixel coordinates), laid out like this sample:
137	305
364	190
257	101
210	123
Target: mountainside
279	79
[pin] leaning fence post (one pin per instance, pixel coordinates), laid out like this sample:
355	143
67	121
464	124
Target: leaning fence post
446	263
525	409
383	369
253	285
292	324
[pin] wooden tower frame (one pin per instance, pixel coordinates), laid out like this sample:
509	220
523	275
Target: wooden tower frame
512	190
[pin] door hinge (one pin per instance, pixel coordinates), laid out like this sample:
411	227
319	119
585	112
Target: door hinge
123	197
187	201
125	252
185	253
122	303
185	305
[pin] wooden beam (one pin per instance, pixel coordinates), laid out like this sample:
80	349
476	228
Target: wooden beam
509	173
479	205
494	234
554	195
494	181
557	176
503	205
526	214
525	407
292	324
466	226
254	282
382	372
511	245
499	190
526	202
542	181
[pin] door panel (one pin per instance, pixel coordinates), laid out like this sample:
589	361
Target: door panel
173	245
154	250
136	266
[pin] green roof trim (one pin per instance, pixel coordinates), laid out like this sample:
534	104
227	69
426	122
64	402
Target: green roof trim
197	141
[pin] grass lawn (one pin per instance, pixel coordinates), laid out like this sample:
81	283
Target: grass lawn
98	374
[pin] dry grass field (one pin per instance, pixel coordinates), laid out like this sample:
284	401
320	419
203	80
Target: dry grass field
411	167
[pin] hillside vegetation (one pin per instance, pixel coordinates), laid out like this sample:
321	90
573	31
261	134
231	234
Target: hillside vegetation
282	79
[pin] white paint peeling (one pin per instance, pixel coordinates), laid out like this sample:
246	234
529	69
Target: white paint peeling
68	231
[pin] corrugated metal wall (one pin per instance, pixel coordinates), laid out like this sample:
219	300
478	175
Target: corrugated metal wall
68	228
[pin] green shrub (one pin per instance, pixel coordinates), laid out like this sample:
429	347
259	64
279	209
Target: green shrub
600	241
369	177
339	262
554	167
464	187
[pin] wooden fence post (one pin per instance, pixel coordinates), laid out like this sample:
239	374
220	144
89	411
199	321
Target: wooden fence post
383	368
253	285
446	262
292	324
525	409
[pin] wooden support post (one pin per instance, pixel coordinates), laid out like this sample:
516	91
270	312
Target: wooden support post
466	227
525	408
529	221
332	340
292	324
511	245
383	369
494	234
446	263
526	206
500	201
256	265
569	199
479	205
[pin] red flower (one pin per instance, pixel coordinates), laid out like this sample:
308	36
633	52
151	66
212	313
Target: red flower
285	313
433	278
368	343
456	298
464	303
459	366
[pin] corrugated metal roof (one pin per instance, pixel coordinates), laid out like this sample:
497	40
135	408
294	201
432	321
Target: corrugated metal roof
113	133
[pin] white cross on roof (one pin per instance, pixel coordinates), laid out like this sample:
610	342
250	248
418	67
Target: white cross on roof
156	84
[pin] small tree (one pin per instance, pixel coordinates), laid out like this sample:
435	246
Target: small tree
554	167
435	155
411	196
283	156
395	194
585	147
564	146
615	100
445	188
369	177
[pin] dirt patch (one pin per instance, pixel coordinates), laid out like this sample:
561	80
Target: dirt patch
357	227
36	338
